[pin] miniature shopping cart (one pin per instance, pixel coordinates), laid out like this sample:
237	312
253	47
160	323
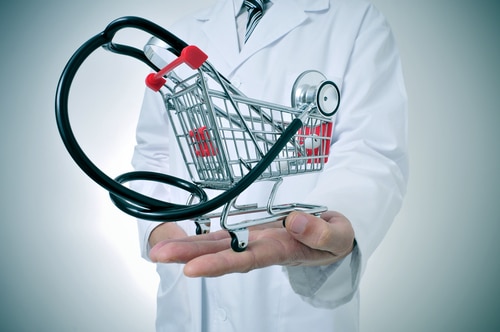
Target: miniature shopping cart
227	140
223	134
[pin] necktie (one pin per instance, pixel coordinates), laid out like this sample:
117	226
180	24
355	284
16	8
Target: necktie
255	11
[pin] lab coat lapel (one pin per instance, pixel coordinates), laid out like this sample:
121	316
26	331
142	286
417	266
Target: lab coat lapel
277	22
284	16
220	30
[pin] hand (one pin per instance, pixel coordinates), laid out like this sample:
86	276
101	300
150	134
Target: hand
307	240
166	231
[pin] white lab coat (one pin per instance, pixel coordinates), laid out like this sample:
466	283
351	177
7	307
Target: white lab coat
365	178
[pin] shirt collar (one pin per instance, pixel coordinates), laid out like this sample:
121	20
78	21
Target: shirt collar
239	3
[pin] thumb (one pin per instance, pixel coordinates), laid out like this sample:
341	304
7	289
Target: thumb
331	232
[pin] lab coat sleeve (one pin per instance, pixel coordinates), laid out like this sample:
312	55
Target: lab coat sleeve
151	154
366	177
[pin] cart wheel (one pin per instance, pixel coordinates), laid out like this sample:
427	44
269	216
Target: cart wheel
198	228
202	226
239	240
312	87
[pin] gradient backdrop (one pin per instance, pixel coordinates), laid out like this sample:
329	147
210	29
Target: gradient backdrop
69	259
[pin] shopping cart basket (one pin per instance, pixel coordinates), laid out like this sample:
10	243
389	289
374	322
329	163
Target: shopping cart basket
227	140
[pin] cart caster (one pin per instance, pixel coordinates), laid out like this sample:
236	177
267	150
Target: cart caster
202	226
239	239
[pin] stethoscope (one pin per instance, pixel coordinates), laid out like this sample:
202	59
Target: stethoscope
128	200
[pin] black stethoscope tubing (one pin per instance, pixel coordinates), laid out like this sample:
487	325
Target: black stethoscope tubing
128	200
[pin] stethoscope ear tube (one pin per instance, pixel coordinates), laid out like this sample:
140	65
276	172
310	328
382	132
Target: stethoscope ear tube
64	125
128	200
176	44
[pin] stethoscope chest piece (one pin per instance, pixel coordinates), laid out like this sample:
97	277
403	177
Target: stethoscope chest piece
313	87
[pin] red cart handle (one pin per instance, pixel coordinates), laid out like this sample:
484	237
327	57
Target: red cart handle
190	55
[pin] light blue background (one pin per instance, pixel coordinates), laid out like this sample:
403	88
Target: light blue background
69	260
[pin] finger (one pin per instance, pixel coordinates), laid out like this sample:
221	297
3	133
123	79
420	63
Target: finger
185	249
217	264
213	236
262	252
332	232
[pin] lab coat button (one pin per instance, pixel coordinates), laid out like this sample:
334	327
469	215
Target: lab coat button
221	314
236	82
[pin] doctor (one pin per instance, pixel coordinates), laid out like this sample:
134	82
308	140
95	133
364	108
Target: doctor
304	276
